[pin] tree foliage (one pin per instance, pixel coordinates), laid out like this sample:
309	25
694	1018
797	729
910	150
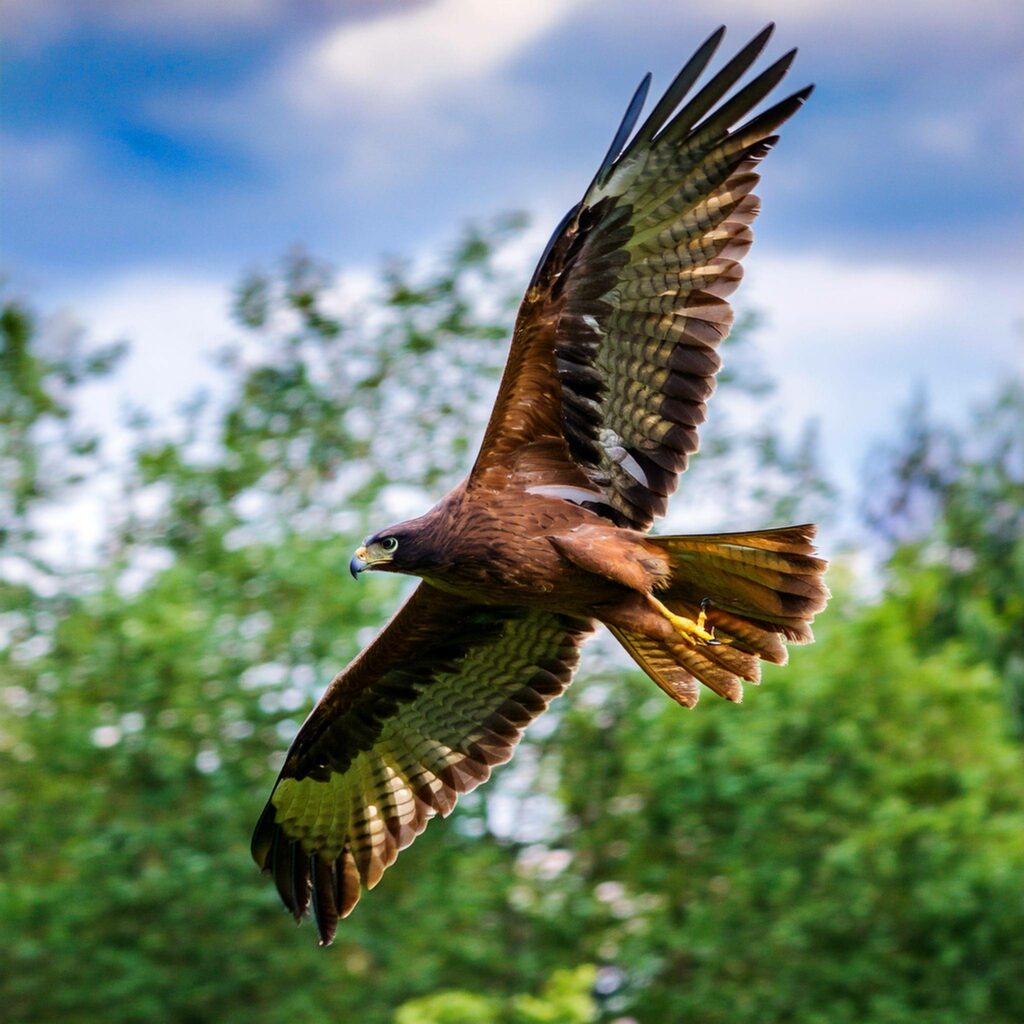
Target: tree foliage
951	507
43	451
845	846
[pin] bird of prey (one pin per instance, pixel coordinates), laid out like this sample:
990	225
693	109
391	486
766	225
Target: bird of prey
612	360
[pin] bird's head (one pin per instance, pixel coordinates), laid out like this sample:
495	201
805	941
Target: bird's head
395	549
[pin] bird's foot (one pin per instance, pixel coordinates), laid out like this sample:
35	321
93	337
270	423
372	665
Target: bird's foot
695	632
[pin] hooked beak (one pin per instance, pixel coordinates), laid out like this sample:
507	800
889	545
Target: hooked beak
358	563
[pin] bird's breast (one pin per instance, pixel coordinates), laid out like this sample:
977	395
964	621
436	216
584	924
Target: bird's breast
504	556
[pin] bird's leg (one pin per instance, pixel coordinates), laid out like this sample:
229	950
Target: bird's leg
695	632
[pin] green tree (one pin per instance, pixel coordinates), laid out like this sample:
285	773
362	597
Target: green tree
845	846
44	453
566	998
149	705
950	505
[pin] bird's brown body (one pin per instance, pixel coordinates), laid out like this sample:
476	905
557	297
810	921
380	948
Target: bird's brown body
612	361
507	552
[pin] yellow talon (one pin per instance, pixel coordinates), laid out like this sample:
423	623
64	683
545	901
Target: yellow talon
695	632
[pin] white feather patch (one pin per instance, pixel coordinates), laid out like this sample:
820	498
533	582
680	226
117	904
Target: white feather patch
616	451
577	495
633	468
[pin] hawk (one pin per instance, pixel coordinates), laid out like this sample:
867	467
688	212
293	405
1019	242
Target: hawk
612	360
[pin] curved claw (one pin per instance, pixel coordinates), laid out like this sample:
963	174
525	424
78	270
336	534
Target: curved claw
702	619
701	623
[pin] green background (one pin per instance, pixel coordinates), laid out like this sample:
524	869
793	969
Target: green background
845	846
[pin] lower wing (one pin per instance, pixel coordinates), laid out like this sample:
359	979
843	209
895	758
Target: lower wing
422	715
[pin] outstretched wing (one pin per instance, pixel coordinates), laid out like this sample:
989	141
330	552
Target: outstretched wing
613	356
442	695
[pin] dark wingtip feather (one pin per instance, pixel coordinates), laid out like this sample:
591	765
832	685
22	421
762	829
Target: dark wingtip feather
679	87
771	119
263	837
299	879
627	124
717	87
282	869
322	888
753	49
714	40
760	41
749	96
785	61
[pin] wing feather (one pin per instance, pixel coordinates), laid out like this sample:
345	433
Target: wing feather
614	352
420	717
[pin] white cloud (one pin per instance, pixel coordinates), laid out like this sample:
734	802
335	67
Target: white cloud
410	56
173	321
974	124
369	101
41	161
849	341
978	17
953	137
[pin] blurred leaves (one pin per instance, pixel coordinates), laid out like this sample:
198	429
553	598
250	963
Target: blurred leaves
43	452
950	506
565	999
845	846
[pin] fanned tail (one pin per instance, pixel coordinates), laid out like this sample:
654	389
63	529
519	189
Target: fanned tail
758	590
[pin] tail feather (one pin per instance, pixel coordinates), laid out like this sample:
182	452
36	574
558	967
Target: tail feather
693	581
771	576
719	668
790	540
762	590
679	668
660	664
767	639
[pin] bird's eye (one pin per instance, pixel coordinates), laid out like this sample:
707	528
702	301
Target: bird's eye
389	544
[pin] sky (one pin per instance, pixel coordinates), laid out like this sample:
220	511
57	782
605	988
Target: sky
153	152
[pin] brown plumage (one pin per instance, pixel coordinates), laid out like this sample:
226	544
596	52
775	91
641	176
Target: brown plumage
612	360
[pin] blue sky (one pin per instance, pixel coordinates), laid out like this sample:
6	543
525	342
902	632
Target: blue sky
154	151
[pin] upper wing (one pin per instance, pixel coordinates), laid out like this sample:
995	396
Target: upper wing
442	695
614	347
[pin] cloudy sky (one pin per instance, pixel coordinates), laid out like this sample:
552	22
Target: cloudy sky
153	151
